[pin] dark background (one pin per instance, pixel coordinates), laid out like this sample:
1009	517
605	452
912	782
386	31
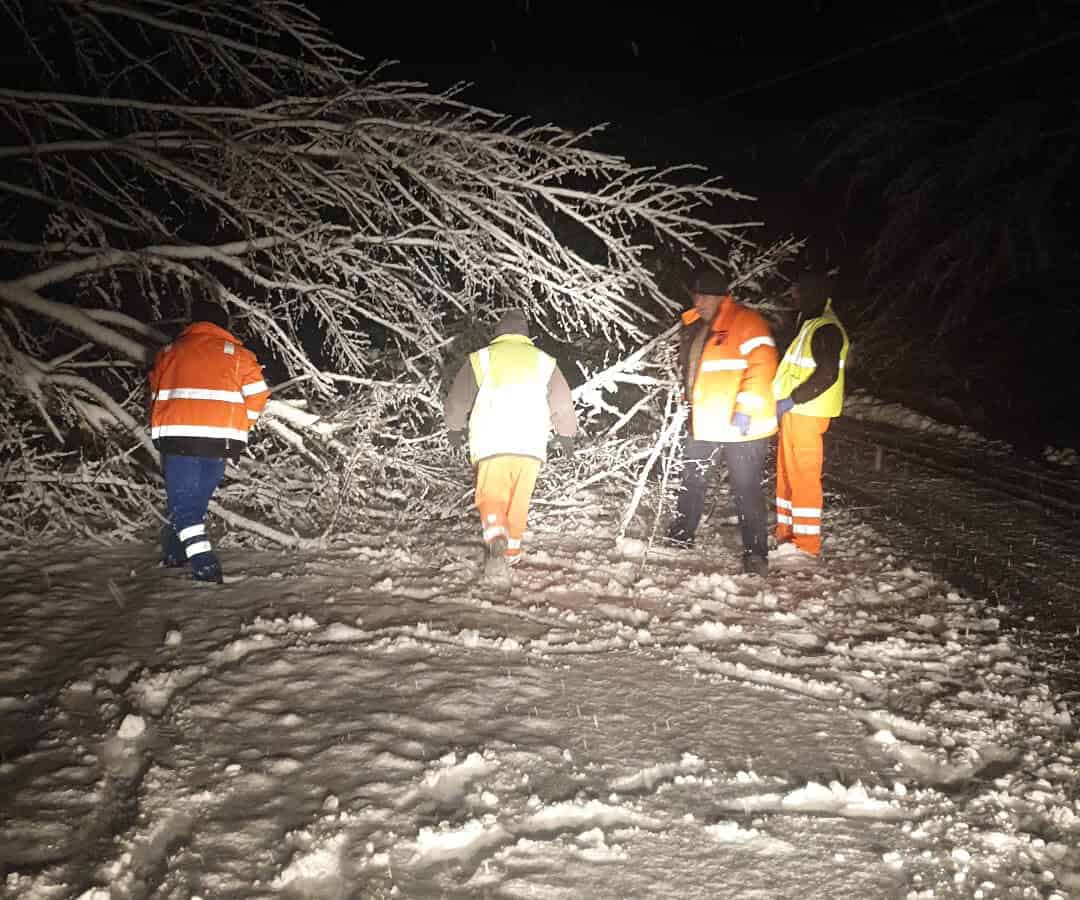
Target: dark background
736	89
760	93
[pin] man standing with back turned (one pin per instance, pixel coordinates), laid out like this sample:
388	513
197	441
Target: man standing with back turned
206	391
511	393
728	360
809	391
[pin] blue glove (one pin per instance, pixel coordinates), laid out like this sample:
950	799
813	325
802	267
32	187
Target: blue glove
456	438
783	406
741	421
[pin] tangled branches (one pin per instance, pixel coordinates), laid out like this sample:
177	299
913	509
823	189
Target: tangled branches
357	227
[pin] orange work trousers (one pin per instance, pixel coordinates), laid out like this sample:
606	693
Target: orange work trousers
504	487
799	455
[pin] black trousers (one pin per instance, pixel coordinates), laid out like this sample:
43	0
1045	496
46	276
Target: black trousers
744	460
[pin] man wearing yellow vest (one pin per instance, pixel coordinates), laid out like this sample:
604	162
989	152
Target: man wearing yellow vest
809	392
728	360
511	394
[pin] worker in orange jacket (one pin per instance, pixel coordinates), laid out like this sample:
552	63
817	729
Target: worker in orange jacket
206	391
728	359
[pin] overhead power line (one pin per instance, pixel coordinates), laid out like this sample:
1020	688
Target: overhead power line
848	54
997	64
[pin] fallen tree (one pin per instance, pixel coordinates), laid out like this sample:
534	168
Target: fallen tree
363	232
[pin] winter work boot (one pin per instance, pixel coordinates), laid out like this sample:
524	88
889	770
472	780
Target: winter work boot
172	551
677	539
205	567
791	557
209	574
495	565
755	565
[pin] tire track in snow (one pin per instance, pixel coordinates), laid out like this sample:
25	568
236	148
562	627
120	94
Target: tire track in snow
992	526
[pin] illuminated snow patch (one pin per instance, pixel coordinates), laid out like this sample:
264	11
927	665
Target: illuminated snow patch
314	869
648	778
832	799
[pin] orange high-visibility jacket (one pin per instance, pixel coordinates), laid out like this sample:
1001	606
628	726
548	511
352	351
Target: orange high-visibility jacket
729	368
206	390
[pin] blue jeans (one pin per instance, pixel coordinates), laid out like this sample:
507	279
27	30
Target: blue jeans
190	482
745	461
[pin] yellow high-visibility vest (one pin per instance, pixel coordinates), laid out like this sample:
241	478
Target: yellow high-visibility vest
798	364
511	412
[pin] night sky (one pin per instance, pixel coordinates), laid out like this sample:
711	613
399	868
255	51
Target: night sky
737	91
750	90
747	92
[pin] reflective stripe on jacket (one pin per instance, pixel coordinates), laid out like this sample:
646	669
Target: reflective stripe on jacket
510	413
798	364
730	367
207	389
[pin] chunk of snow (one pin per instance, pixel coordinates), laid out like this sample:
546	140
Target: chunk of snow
132	727
314	867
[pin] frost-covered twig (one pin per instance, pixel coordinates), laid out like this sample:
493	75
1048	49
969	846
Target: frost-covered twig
667	436
364	232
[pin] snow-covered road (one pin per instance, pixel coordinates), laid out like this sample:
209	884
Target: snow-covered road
995	524
370	723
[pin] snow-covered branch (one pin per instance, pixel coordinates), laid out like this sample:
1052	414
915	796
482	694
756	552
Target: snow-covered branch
364	233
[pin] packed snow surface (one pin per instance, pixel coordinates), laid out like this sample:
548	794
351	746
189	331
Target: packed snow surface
373	722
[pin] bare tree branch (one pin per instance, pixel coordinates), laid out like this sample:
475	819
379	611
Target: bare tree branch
363	232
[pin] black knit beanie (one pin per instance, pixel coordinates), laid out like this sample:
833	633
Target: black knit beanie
814	290
512	322
208	311
709	281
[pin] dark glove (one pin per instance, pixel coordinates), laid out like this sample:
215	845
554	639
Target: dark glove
783	406
566	445
457	439
741	421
